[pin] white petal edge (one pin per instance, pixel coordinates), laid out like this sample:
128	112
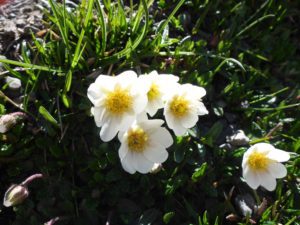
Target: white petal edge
162	136
127	163
277	170
267	181
278	155
156	154
109	129
141	163
251	177
123	150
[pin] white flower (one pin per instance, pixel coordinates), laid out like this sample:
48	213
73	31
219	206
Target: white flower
144	145
13	83
159	86
117	101
183	105
261	165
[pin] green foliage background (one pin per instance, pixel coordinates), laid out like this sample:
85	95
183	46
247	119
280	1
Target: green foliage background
245	54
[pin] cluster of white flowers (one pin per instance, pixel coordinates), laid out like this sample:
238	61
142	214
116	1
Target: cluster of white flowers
121	104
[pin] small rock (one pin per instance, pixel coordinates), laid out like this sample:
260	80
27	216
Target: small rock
246	204
238	138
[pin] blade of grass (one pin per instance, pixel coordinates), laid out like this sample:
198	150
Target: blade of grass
59	23
270	95
44	112
79	49
277	108
180	3
30	66
103	28
136	42
253	24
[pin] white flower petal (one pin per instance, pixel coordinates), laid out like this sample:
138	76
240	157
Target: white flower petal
201	110
121	136
151	125
251	178
189	120
123	150
109	129
154	106
127	163
99	115
127	78
162	136
105	83
277	170
141	117
263	147
125	122
165	79
178	129
94	94
278	155
140	103
156	153
141	163
194	91
175	125
267	181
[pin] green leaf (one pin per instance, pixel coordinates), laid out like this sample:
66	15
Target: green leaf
47	115
66	100
199	172
179	154
168	216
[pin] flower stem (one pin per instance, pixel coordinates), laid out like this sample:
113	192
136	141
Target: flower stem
31	178
10	101
256	197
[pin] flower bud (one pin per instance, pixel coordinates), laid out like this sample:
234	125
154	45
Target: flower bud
52	221
156	168
7	121
13	83
15	195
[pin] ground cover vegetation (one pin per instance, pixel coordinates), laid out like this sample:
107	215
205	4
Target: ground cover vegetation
244	54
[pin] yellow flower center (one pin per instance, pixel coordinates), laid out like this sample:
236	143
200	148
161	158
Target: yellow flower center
137	140
179	106
118	101
258	161
154	92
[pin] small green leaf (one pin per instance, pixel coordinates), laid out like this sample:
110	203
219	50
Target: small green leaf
199	172
44	112
66	100
168	216
178	154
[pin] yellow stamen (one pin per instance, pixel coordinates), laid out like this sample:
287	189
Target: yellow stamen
118	101
154	92
137	140
258	161
179	106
